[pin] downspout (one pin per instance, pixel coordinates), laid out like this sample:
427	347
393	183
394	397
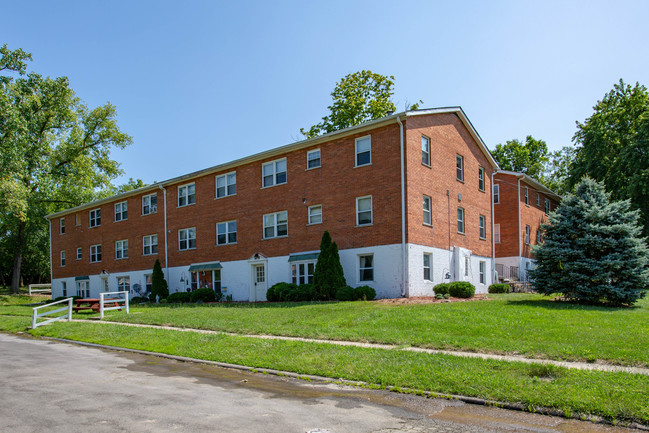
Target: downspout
404	250
493	236
51	260
164	192
519	228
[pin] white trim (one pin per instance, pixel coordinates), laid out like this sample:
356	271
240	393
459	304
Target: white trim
186	196
225	177
100	254
273	164
151	244
371	211
188	238
155	194
275	224
365	137
319	157
227	232
309	215
124	210
90	218
121	246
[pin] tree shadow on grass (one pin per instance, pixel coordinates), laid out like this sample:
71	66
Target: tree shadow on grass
551	303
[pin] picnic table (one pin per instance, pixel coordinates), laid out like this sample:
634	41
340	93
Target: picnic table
92	304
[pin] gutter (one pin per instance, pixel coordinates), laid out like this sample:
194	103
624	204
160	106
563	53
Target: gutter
404	250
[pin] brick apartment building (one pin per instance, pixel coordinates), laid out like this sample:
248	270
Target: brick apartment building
521	205
406	197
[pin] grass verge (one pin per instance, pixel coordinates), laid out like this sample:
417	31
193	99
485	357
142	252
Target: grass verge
614	396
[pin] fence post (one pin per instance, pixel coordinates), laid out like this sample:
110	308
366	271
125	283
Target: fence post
69	309
34	319
126	296
101	306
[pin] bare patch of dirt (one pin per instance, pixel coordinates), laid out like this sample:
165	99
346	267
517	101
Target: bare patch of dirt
432	300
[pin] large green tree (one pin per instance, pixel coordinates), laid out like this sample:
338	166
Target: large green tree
529	157
613	146
357	98
54	154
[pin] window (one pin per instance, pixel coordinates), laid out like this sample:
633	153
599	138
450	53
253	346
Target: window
95	253
315	214
459	163
121	249
496	194
313	159
187	239
276	225
547	206
527	196
79	253
427	267
149	204
149	245
62	258
460	220
226	185
363	151
124	284
527	234
121	211
186	195
481	178
64	287
425	150
364	210
302	272
538	199
77	219
62	226
95	217
366	267
497	233
483	273
274	173
226	233
427	214
148	282
483	227
538	236
467	264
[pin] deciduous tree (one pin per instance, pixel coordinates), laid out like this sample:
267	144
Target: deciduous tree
529	157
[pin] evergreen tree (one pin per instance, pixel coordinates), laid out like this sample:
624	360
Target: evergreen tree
592	250
320	277
159	286
338	275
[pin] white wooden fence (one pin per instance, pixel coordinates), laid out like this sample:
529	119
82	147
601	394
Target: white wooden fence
36	314
103	301
32	288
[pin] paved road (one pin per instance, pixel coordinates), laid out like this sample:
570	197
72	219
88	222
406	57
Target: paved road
55	387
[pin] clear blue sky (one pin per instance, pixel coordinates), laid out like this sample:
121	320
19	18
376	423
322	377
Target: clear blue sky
199	83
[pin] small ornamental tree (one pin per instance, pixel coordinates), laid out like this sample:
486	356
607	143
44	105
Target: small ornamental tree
158	283
592	250
328	276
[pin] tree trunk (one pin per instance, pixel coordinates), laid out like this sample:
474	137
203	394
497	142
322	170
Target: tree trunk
18	257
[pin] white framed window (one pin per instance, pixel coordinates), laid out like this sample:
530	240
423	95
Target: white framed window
315	214
547	206
483	227
124	284
226	185
481	178
64	287
467	265
460	220
459	167
95	217
186	194
95	253
79	253
527	234
313	159
273	173
496	194
538	236
364	210
428	219
427	272
62	258
366	267
187	239
425	150
121	211
62	226
538	199
302	272
497	233
226	233
149	245
483	273
149	204
363	151
121	249
276	225
526	192
148	282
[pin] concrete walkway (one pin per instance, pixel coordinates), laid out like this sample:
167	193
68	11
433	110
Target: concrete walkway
510	358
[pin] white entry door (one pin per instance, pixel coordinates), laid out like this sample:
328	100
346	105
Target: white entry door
259	284
83	289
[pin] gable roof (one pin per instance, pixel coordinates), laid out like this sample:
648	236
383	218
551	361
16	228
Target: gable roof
530	180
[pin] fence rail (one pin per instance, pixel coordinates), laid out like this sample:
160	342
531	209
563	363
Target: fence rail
36	315
114	302
507	272
33	289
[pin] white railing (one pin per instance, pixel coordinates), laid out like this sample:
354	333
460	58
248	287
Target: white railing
31	288
68	315
115	301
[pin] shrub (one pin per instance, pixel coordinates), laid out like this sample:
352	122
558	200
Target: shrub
346	293
203	295
282	292
441	289
306	292
159	285
365	293
499	288
328	275
461	289
179	297
139	300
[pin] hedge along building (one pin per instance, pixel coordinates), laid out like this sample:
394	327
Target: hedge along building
407	198
521	205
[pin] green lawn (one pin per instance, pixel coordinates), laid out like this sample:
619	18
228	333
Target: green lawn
529	325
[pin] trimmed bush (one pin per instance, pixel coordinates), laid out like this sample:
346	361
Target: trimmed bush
179	297
365	293
441	289
203	295
306	292
159	285
461	289
499	288
139	300
282	292
346	293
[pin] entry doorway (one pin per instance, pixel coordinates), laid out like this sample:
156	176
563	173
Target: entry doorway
83	288
259	284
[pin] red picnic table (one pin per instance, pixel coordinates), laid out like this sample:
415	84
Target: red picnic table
92	304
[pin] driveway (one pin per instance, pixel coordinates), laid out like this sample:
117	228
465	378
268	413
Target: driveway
57	387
